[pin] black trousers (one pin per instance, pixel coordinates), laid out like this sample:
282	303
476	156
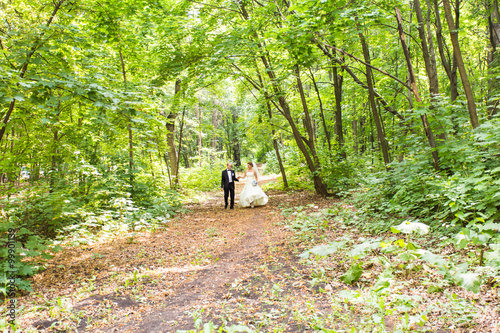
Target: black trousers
229	191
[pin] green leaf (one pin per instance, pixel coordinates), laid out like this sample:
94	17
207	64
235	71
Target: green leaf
469	281
208	327
353	274
408	227
407	256
400	243
434	289
360	249
492	226
383	281
395	231
493	257
346	294
434	259
25	270
323	250
238	328
461	240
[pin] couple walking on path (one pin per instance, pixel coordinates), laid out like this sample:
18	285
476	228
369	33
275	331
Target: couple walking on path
251	195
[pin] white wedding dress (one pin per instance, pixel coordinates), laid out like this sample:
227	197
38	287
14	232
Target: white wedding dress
252	194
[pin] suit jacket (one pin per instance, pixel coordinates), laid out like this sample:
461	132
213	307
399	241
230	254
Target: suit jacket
225	179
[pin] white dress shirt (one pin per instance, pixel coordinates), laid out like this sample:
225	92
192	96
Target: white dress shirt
229	175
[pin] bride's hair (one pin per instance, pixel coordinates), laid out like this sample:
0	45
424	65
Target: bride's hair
250	164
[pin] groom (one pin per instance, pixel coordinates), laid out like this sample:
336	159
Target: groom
227	183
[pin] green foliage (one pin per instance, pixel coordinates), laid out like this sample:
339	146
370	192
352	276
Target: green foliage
297	173
204	178
353	274
324	250
66	215
30	253
341	175
464	195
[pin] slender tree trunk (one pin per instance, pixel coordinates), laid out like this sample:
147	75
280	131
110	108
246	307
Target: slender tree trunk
235	140
170	126
151	164
322	113
471	104
273	132
307	116
53	163
449	63
337	83
181	132
168	169
213	142
130	133
276	147
494	59
427	52
413	82
371	95
200	142
362	122
432	74
319	185
355	136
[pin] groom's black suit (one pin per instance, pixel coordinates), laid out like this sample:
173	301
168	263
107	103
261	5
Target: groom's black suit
228	186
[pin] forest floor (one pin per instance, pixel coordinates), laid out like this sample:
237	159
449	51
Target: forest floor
234	269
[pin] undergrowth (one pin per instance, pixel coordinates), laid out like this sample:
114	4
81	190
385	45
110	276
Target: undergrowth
44	217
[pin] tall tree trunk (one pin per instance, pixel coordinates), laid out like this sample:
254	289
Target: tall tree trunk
322	113
273	132
312	163
371	95
170	126
355	136
413	82
337	83
213	142
276	147
181	132
449	63
471	104
130	133
53	163
362	122
307	116
427	52
167	163
200	141
494	58
433	74
235	139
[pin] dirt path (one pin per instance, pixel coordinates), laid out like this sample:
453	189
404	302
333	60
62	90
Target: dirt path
212	284
220	265
209	284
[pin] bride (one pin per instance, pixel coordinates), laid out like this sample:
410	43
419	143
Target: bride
252	195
